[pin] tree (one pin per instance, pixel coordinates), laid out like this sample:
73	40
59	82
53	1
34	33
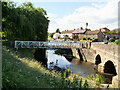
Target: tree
88	29
111	39
75	36
66	37
57	31
51	35
24	22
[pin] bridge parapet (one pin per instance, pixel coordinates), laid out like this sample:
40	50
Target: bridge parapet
41	44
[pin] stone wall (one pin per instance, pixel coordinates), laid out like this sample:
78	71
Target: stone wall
106	52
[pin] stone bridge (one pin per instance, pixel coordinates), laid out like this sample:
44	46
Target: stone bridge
106	58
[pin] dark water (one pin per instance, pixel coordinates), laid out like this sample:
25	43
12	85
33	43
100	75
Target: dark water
83	68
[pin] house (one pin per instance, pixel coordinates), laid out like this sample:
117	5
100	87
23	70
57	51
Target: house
112	35
104	30
97	34
56	36
116	30
80	32
67	32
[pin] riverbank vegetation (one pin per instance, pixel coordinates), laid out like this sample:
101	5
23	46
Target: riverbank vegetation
21	70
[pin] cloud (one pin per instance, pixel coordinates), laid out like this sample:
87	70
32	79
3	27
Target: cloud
103	16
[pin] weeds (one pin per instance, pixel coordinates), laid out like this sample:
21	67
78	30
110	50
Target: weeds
23	72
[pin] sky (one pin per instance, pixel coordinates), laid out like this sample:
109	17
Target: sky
73	14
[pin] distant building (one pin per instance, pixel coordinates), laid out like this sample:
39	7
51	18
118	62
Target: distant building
97	34
80	32
116	30
56	36
104	29
67	32
112	35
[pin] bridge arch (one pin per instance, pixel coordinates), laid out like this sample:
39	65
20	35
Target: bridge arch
109	67
97	59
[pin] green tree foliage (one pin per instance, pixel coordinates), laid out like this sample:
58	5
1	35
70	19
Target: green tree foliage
51	35
83	38
24	22
87	38
88	29
57	31
117	42
111	39
66	36
75	36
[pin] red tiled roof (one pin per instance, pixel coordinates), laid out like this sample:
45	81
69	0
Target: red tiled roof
69	31
92	32
79	31
105	29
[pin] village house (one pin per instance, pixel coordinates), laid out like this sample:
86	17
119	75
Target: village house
83	33
97	34
112	35
104	30
80	32
67	32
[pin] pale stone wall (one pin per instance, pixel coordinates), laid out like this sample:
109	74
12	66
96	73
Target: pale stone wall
109	52
106	52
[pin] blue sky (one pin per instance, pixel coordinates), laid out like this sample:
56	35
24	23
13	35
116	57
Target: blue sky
73	14
61	8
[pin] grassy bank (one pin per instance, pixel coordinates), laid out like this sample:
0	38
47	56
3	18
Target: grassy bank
20	70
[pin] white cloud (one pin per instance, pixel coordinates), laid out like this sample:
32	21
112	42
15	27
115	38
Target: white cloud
102	16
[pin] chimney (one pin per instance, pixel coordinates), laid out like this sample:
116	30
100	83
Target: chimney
74	29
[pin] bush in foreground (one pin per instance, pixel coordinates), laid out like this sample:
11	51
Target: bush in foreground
117	42
111	39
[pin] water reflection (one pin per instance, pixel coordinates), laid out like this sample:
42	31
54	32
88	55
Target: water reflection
84	68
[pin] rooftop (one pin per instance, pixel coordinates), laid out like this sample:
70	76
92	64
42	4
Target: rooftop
92	32
81	30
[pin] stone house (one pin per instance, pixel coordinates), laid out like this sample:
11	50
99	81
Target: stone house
112	35
97	34
80	32
67	32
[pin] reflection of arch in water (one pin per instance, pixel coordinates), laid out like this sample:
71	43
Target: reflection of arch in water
97	59
110	68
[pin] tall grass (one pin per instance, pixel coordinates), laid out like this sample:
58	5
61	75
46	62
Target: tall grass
20	70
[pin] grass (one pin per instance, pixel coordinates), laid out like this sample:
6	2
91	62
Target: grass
20	70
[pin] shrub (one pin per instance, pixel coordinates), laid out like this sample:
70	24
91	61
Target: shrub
83	38
117	42
111	39
88	38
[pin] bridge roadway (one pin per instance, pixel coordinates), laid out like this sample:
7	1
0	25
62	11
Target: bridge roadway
41	44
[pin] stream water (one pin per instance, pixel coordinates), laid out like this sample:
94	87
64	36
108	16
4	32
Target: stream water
83	68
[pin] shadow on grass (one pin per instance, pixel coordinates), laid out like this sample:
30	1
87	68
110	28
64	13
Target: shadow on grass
21	72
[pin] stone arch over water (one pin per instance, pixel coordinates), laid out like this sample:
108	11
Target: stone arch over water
110	68
97	59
